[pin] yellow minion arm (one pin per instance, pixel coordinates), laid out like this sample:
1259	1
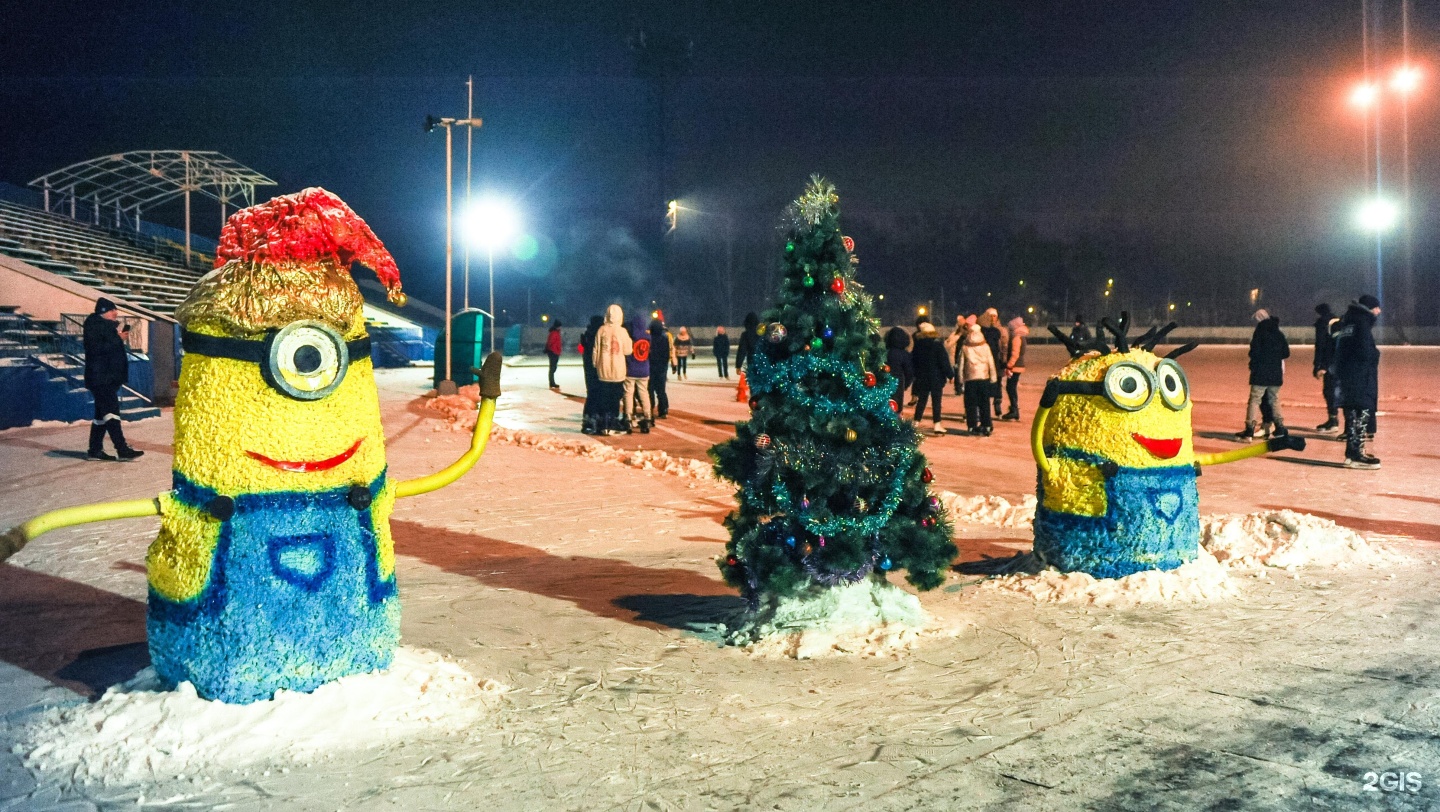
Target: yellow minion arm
1282	443
16	538
1037	438
489	393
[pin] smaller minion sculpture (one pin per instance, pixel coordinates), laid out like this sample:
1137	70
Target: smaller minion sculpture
1117	467
274	567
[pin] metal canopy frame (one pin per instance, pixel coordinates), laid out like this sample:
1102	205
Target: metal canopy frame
131	181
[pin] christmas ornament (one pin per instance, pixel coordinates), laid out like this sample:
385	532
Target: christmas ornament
860	504
754	404
804	503
816	344
838	285
895	406
885	368
762	441
760	330
790	247
732	560
851	436
848	242
926	476
822	541
927	522
885	563
827	333
808	281
933	504
869	379
776	333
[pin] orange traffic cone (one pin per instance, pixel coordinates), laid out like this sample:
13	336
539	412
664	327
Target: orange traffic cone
742	390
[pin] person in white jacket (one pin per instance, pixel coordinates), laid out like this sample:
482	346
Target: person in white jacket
612	344
981	380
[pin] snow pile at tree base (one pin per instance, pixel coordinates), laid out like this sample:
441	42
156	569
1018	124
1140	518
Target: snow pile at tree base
460	413
1200	581
1279	539
869	618
1286	539
139	732
989	510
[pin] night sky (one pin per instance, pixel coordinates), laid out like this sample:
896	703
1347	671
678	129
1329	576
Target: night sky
1200	149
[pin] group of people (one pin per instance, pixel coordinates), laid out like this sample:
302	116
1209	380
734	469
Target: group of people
978	356
627	367
1347	364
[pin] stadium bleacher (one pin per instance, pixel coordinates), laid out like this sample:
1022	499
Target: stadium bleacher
97	257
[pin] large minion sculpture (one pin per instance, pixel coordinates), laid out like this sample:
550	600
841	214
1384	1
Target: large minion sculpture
274	567
1117	468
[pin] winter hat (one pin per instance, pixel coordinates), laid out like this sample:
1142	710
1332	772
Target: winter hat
103	305
1016	323
288	260
975	336
927	329
1324	310
1368	301
1262	314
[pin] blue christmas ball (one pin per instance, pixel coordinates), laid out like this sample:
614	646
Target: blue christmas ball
885	564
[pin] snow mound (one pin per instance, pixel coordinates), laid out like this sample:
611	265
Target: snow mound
870	618
1203	580
460	412
139	732
1286	539
988	510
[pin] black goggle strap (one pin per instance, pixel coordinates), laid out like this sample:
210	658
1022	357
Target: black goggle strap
254	351
1054	388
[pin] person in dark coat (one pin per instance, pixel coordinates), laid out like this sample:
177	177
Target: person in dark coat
107	368
1325	323
932	371
589	422
1268	351
1357	364
1080	333
721	348
659	368
745	348
897	357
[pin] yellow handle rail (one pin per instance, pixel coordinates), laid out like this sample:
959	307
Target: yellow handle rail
16	538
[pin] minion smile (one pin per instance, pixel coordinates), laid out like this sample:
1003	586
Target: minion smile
1163	449
307	466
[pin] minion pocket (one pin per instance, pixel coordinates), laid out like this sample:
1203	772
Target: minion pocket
306	561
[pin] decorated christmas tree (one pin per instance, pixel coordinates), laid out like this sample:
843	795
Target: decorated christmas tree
833	489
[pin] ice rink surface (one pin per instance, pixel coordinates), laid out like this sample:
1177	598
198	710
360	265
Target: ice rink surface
588	590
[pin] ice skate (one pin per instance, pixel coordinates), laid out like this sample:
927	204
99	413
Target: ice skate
1247	435
938	428
1330	426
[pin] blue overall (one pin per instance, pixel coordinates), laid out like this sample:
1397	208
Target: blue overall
294	599
1151	522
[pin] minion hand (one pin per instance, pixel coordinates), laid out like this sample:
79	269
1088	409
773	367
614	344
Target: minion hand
489	373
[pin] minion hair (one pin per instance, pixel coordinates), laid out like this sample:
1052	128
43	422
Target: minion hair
1182	349
1154	336
1079	348
1119	329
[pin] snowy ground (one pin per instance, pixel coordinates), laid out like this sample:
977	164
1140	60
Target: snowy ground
564	602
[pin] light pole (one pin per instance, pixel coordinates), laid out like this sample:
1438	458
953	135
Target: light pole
672	217
447	386
492	221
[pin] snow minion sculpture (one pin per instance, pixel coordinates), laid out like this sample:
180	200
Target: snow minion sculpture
1117	468
274	567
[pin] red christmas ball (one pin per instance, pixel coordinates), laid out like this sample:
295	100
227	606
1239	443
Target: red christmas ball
762	442
754	403
838	285
895	407
885	368
869	379
849	243
927	522
731	560
926	476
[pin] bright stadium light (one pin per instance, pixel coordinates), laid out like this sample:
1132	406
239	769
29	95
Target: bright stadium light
492	222
1405	79
1378	215
1364	94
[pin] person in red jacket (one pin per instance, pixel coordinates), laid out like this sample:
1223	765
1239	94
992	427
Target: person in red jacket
553	348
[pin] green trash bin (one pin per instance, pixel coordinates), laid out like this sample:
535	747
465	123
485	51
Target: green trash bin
470	347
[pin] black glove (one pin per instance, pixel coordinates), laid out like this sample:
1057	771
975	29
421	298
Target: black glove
1285	442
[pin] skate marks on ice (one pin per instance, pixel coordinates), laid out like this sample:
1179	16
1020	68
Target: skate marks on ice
139	732
870	618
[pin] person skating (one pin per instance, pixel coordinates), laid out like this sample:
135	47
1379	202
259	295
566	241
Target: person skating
996	337
1015	364
932	370
721	348
1268	351
612	345
745	348
684	348
1357	364
1325	323
553	347
897	357
107	368
589	414
635	406
981	376
660	355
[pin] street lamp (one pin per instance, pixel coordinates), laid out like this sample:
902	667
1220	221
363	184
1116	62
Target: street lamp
1378	215
491	222
447	386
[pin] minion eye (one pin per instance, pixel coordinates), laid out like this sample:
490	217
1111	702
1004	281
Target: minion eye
1127	385
306	360
1174	389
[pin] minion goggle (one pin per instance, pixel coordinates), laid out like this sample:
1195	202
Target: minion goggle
304	360
1129	386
